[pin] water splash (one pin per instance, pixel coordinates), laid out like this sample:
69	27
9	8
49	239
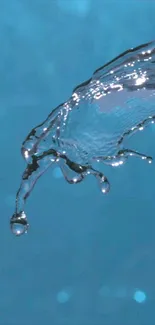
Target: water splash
115	103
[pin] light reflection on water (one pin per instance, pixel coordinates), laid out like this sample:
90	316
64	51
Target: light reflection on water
69	243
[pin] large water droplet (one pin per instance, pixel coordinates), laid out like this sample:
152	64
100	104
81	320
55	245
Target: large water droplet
19	224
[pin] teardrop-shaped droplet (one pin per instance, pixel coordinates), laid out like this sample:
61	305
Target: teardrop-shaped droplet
103	183
19	224
104	186
74	175
148	159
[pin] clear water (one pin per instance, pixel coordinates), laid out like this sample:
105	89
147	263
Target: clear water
88	258
115	103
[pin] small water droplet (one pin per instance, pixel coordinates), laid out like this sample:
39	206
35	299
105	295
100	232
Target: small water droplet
150	159
105	188
76	180
103	184
19	224
70	175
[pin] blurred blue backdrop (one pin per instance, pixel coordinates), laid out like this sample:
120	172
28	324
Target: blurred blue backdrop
88	259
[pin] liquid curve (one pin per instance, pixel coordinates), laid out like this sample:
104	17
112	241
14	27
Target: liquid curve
91	126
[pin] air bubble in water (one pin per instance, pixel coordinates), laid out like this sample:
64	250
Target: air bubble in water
115	103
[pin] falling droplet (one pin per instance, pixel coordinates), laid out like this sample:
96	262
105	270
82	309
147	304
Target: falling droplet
103	183
149	160
74	175
19	224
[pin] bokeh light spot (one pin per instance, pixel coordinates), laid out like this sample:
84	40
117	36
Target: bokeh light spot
139	296
63	297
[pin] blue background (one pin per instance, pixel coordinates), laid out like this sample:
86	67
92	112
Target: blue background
88	259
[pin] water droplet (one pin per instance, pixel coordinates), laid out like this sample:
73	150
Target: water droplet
139	296
72	176
105	187
19	224
103	184
149	160
76	180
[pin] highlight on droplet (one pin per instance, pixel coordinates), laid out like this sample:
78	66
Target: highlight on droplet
139	296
